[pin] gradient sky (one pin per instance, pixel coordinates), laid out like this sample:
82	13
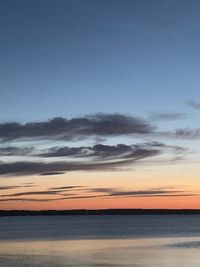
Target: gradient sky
99	104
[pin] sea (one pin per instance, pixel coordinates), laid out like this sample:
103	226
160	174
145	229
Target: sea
100	241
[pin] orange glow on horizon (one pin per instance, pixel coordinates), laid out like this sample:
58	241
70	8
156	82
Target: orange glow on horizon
172	180
115	203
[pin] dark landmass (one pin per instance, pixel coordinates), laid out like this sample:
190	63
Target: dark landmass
100	212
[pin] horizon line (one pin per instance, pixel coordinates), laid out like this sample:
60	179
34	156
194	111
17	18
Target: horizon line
136	211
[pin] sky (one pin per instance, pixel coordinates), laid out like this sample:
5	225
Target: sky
99	104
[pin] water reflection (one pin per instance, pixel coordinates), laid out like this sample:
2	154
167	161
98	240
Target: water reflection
143	252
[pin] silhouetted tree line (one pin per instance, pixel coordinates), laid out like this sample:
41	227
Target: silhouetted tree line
99	212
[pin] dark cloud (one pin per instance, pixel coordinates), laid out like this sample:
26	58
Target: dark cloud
114	163
193	104
52	173
67	152
15	151
166	116
96	151
101	151
88	158
99	125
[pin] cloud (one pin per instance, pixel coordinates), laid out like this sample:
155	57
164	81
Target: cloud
166	116
8	187
28	199
187	133
176	149
68	187
182	133
96	193
58	160
15	151
88	158
52	173
67	152
102	151
50	191
193	104
99	125
109	158
28	168
100	190
46	192
112	192
142	193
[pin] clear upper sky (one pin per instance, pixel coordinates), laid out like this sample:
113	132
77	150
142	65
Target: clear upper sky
66	58
137	63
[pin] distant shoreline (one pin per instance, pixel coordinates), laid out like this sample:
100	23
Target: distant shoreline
4	213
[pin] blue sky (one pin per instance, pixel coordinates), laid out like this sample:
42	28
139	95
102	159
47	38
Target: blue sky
69	58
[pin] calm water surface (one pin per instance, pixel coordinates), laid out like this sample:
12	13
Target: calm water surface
138	241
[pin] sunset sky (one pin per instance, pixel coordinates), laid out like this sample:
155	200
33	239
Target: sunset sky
99	104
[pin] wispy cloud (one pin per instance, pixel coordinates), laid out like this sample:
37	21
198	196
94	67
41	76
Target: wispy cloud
166	116
9	187
111	192
28	168
193	104
50	191
52	173
27	199
35	193
15	151
182	133
88	158
102	151
68	187
86	193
